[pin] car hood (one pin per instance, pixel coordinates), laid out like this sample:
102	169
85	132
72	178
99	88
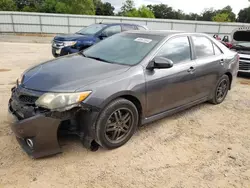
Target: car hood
69	73
72	37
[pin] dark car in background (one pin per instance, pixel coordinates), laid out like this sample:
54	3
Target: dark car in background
72	43
102	94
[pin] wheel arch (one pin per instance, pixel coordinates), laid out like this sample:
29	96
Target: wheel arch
230	76
128	95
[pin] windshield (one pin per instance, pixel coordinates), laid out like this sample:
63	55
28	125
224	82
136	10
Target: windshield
92	29
125	48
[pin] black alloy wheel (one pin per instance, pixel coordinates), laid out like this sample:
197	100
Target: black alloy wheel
221	90
116	123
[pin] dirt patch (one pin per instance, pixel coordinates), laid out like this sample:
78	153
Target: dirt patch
5	70
245	82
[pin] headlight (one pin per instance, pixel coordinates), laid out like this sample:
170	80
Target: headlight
54	101
20	80
69	43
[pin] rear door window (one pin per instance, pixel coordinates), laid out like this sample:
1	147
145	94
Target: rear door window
112	30
203	46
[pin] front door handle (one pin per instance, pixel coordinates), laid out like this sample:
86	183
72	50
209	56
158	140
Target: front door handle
191	70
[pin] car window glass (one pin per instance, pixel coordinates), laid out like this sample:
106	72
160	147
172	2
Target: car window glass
112	30
176	49
128	27
133	49
141	28
203	46
217	51
92	29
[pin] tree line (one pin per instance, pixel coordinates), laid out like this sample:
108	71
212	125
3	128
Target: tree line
97	7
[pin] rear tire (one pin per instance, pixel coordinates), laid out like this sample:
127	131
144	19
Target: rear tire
116	123
221	90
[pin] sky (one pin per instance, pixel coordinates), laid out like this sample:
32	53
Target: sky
195	6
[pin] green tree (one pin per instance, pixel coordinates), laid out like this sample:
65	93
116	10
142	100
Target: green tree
143	12
72	7
7	5
61	7
192	16
244	15
229	11
162	11
221	17
105	9
208	14
108	9
29	5
128	6
49	6
81	7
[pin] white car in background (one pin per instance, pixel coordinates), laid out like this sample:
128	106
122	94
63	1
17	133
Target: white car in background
241	44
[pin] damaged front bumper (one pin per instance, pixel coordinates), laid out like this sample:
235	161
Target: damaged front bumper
37	129
37	135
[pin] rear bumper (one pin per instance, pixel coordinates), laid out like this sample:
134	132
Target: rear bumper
42	131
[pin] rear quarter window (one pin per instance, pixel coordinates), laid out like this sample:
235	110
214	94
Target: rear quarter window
128	27
217	51
141	28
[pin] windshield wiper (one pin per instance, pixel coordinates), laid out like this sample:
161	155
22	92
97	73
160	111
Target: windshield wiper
96	58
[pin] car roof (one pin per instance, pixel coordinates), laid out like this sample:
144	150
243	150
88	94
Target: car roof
165	33
156	32
109	24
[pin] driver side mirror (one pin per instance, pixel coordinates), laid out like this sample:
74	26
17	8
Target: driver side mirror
160	63
103	35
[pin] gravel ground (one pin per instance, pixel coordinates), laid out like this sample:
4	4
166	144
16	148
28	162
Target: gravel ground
205	146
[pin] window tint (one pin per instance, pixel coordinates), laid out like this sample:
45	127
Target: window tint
203	47
217	51
128	27
177	50
140	28
112	30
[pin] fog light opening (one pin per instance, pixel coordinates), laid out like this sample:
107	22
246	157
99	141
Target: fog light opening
30	143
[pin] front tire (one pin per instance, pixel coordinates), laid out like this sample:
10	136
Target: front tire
117	123
221	90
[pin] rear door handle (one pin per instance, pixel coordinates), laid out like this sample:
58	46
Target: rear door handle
191	70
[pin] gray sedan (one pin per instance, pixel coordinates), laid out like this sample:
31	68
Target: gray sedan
105	92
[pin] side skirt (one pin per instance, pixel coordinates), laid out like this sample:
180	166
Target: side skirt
172	111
